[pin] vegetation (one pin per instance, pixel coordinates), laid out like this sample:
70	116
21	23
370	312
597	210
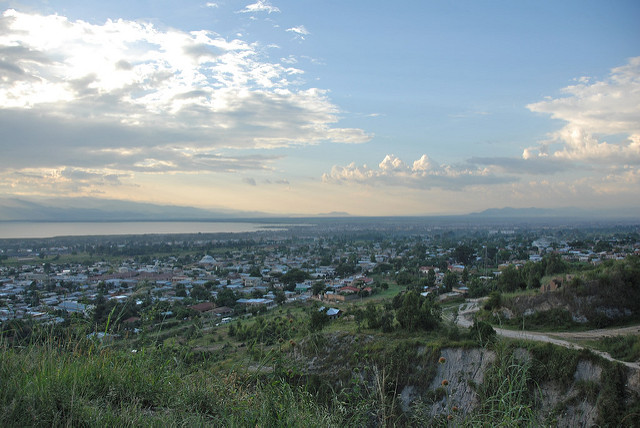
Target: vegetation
624	348
377	361
602	296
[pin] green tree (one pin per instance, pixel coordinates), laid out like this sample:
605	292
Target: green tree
510	279
318	319
465	275
431	278
405	278
280	297
198	292
463	254
417	312
293	277
317	288
450	280
372	316
345	269
226	297
554	264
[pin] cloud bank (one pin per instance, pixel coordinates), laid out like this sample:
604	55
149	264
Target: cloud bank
423	173
125	97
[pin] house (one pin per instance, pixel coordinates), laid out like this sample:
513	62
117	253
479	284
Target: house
252	281
207	261
257	302
332	313
74	307
203	308
222	311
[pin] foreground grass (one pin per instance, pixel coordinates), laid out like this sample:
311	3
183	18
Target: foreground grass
85	385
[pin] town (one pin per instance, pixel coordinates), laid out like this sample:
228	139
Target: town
155	277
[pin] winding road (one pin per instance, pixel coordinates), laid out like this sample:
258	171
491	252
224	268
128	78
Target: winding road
471	306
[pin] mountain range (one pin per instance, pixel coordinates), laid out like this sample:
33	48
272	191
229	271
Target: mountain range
95	209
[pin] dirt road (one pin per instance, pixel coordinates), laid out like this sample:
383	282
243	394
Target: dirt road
471	306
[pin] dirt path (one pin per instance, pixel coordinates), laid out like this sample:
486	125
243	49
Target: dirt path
471	306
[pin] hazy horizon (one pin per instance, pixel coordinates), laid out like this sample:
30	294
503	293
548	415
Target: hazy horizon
304	108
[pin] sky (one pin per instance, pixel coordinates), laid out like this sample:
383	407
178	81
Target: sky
308	107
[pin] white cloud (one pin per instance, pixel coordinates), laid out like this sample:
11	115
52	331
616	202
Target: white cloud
60	181
260	6
422	174
300	31
127	96
212	5
594	112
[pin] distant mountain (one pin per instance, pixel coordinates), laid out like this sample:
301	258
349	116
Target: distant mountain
94	209
334	214
566	212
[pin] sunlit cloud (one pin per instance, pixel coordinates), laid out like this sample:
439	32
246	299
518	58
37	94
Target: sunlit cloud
300	31
61	181
423	173
602	124
260	6
128	96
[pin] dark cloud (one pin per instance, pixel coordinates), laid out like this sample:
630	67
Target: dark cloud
249	181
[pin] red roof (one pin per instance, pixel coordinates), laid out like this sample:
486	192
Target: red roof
203	307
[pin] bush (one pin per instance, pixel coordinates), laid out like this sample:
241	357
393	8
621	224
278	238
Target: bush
482	332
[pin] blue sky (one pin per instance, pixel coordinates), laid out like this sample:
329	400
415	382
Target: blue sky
305	107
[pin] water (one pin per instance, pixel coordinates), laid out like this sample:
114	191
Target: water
17	230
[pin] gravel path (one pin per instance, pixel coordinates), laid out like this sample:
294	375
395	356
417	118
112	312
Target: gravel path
471	306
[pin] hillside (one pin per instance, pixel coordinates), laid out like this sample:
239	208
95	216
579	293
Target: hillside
341	376
606	296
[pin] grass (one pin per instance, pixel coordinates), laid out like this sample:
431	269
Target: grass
85	384
508	394
624	348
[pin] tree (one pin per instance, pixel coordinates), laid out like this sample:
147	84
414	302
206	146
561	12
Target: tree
226	297
404	278
317	288
198	292
465	275
293	277
318	319
372	316
554	264
345	269
463	254
510	279
417	312
450	280
431	278
532	273
280	297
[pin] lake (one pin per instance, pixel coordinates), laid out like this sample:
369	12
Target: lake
17	230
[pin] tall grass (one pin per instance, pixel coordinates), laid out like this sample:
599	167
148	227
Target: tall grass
508	393
82	383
